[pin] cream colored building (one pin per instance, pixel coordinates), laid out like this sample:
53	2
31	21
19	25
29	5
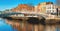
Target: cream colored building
47	7
42	7
50	8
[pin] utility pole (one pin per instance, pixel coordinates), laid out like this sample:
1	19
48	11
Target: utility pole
57	11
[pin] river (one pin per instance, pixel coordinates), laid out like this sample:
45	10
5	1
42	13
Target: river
4	26
7	27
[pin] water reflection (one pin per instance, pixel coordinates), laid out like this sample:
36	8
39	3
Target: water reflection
17	25
5	27
57	27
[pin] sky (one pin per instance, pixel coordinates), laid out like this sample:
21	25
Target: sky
58	2
8	4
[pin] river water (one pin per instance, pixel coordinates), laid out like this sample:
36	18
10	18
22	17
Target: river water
6	27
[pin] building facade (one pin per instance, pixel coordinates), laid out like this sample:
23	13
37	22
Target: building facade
50	8
42	7
47	7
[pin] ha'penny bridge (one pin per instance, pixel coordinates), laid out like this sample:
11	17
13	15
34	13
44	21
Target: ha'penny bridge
19	15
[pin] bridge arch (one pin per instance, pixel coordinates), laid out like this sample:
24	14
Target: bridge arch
34	20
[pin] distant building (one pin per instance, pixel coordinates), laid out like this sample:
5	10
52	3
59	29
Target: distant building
50	7
42	7
47	7
23	8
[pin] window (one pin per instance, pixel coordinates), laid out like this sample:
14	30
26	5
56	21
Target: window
48	11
